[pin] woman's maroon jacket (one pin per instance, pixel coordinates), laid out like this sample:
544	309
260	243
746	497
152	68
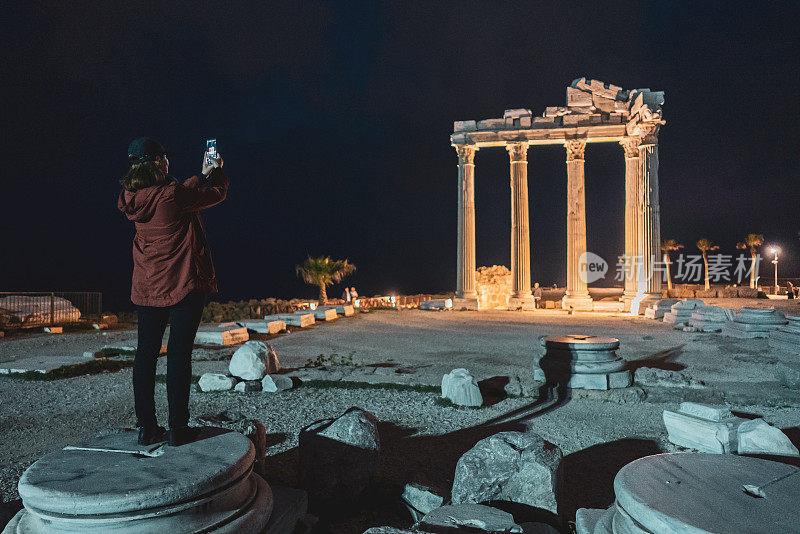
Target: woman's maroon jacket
171	256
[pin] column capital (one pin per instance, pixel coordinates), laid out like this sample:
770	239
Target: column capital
575	149
630	144
518	151
466	154
647	130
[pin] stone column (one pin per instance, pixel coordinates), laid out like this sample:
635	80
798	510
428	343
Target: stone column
465	273
577	296
520	236
633	210
650	245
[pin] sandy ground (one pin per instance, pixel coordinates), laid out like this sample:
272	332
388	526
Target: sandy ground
422	440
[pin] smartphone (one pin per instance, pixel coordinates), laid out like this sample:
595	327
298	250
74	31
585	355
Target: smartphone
211	150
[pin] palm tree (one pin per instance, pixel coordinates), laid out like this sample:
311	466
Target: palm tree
323	272
705	245
752	241
667	246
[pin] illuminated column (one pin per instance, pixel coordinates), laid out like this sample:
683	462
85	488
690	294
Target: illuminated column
520	234
577	296
633	214
650	244
465	273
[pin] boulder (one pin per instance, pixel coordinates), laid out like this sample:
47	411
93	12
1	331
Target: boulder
274	383
251	428
249	362
469	518
216	382
509	466
420	500
338	456
388	530
759	437
460	387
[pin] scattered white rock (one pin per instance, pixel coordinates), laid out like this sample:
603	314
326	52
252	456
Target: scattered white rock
441	304
759	437
652	376
460	387
420	500
216	382
509	466
249	362
247	386
274	383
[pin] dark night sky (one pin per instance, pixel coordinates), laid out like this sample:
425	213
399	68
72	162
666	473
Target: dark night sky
334	122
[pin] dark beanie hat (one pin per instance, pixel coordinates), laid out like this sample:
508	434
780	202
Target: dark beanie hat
144	149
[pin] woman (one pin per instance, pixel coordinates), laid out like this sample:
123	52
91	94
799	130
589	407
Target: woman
172	275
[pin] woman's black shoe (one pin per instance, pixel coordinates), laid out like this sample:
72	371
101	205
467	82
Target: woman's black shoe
149	435
182	435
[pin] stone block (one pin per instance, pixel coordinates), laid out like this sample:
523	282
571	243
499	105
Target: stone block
759	437
440	304
263	327
475	518
302	321
693	430
224	334
492	124
586	519
347	310
465	126
550	304
578	98
54	329
518	467
460	387
216	382
321	314
516	113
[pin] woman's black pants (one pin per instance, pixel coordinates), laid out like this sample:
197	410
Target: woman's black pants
183	318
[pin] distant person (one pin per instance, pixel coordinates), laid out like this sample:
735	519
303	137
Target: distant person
172	276
790	289
346	295
353	293
537	295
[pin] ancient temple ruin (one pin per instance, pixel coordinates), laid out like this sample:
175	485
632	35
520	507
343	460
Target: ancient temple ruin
595	112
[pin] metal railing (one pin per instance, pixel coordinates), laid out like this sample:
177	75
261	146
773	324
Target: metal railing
21	309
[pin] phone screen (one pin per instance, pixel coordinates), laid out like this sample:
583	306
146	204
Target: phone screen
211	148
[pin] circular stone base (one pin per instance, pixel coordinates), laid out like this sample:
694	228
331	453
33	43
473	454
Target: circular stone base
581	361
697	492
119	486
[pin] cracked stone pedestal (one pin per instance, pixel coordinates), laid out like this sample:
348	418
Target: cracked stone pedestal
587	362
679	493
121	487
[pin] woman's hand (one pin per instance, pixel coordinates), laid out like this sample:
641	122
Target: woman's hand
209	164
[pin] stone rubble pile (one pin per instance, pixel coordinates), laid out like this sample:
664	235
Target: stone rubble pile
714	429
580	361
787	337
657	309
460	387
710	318
751	323
693	492
681	312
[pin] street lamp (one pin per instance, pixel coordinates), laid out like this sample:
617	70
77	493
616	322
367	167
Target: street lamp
774	251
